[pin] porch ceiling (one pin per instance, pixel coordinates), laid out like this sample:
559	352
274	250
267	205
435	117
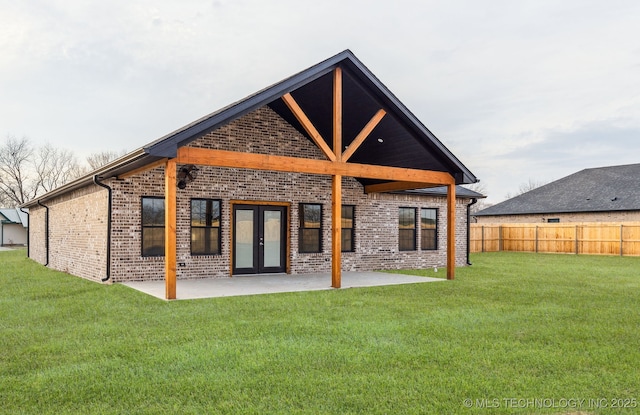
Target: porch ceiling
392	142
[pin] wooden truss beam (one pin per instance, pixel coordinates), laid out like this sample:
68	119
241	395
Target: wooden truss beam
234	159
308	126
366	131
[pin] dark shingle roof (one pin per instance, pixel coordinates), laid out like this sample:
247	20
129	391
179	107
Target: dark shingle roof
600	189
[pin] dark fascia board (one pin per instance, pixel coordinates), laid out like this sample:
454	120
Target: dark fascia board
167	146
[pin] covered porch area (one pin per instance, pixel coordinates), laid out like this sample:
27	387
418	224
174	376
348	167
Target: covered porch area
272	284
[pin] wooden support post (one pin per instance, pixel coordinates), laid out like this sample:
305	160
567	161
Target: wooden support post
170	229
336	231
451	231
336	184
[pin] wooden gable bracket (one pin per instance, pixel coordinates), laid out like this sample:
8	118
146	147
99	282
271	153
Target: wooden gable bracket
336	166
308	126
366	131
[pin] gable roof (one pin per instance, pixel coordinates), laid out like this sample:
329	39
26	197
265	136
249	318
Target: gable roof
403	141
410	145
603	189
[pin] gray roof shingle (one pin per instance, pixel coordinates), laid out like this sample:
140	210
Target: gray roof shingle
612	188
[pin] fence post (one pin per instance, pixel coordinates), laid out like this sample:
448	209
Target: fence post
536	239
482	238
621	241
500	239
576	239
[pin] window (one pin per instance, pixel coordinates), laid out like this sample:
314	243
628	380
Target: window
152	226
310	227
348	228
429	229
205	227
407	229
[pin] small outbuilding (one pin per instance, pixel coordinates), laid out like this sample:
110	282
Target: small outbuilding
309	175
14	225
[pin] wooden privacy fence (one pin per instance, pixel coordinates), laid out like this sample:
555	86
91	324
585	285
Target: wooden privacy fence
597	238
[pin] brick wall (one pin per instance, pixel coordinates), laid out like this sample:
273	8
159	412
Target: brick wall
77	233
37	244
78	221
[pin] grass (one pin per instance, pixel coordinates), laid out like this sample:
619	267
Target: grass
520	326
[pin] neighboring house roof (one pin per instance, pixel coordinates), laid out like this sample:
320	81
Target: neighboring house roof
14	215
409	143
603	189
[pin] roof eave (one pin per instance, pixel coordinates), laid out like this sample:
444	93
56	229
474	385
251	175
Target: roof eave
105	171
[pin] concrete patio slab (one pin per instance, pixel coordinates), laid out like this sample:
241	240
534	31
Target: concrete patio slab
272	283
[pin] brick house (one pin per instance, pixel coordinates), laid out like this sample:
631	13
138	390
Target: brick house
603	194
262	186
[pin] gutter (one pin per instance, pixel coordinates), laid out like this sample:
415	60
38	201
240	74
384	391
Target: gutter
46	230
473	202
109	210
28	230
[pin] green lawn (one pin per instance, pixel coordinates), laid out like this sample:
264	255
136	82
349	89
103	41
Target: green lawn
514	333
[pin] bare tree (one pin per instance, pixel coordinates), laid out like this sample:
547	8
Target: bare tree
26	172
99	159
526	187
15	164
54	167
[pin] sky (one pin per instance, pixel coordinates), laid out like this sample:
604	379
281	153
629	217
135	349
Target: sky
519	91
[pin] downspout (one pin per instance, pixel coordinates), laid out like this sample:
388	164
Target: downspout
473	202
28	230
46	230
109	208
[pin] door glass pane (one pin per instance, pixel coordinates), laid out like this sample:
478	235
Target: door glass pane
272	238
244	239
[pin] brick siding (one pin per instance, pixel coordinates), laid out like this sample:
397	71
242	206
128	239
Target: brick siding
77	233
